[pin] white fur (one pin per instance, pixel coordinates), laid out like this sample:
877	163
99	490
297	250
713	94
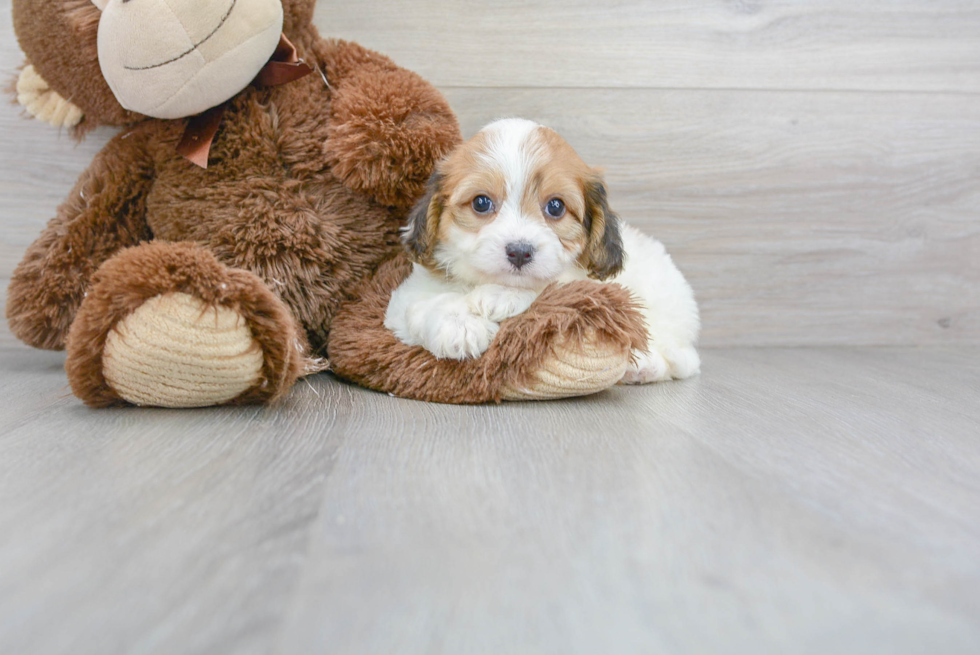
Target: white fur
456	314
451	321
668	306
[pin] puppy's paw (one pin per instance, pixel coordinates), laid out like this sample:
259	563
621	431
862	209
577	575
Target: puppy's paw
460	336
497	303
646	368
662	364
684	362
417	318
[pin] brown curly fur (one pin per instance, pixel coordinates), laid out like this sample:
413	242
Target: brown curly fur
104	213
304	195
366	352
270	201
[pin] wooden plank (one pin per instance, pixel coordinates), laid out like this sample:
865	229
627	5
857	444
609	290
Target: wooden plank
800	218
792	500
806	500
153	531
745	44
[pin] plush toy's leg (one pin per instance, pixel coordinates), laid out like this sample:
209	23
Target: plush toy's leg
103	214
577	365
167	325
574	340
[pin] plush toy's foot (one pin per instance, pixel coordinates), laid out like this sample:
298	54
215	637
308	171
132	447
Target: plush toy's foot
573	368
167	325
175	351
573	340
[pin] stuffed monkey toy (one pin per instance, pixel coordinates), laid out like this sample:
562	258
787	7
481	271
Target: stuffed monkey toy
242	228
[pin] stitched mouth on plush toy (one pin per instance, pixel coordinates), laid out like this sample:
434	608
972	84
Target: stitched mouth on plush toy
197	45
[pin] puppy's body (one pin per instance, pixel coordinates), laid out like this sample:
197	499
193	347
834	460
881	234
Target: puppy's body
510	212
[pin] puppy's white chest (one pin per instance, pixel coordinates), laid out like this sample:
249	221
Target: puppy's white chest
572	274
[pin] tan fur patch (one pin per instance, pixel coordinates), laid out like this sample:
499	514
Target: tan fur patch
561	174
466	175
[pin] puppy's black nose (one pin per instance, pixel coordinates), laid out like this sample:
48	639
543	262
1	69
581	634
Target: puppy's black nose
520	253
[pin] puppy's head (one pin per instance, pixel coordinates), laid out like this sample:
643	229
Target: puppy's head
515	205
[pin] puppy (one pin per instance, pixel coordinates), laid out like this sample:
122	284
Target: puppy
510	212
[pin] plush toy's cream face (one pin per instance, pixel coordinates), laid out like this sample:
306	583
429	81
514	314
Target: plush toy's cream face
177	58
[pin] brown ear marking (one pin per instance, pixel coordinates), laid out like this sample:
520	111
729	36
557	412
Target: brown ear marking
603	255
420	233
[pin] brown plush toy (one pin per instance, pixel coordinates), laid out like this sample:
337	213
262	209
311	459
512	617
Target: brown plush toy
217	258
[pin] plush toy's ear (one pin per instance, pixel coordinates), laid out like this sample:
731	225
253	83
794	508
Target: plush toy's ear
603	254
420	234
60	39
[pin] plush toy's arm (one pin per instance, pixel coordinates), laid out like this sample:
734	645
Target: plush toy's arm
388	126
575	339
104	214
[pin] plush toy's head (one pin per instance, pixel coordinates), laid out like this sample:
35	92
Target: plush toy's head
175	58
117	61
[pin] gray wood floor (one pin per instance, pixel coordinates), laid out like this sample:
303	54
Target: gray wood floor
789	500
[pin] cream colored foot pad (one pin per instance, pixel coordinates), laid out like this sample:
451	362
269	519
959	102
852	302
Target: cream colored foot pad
574	372
176	352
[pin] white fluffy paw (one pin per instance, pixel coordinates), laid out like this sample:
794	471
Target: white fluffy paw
460	336
646	368
498	303
445	327
657	365
684	362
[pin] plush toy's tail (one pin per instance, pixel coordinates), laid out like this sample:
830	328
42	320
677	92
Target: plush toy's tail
575	340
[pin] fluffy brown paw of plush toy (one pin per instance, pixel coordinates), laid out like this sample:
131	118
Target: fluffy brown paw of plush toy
168	325
207	260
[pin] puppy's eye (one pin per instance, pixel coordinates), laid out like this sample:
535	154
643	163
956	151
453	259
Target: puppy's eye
555	208
482	205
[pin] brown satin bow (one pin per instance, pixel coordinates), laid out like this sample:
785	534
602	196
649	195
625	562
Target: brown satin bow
284	67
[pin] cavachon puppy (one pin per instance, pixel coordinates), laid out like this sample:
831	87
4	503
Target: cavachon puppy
510	212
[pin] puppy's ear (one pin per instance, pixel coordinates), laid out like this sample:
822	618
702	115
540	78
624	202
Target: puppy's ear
603	254
421	232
